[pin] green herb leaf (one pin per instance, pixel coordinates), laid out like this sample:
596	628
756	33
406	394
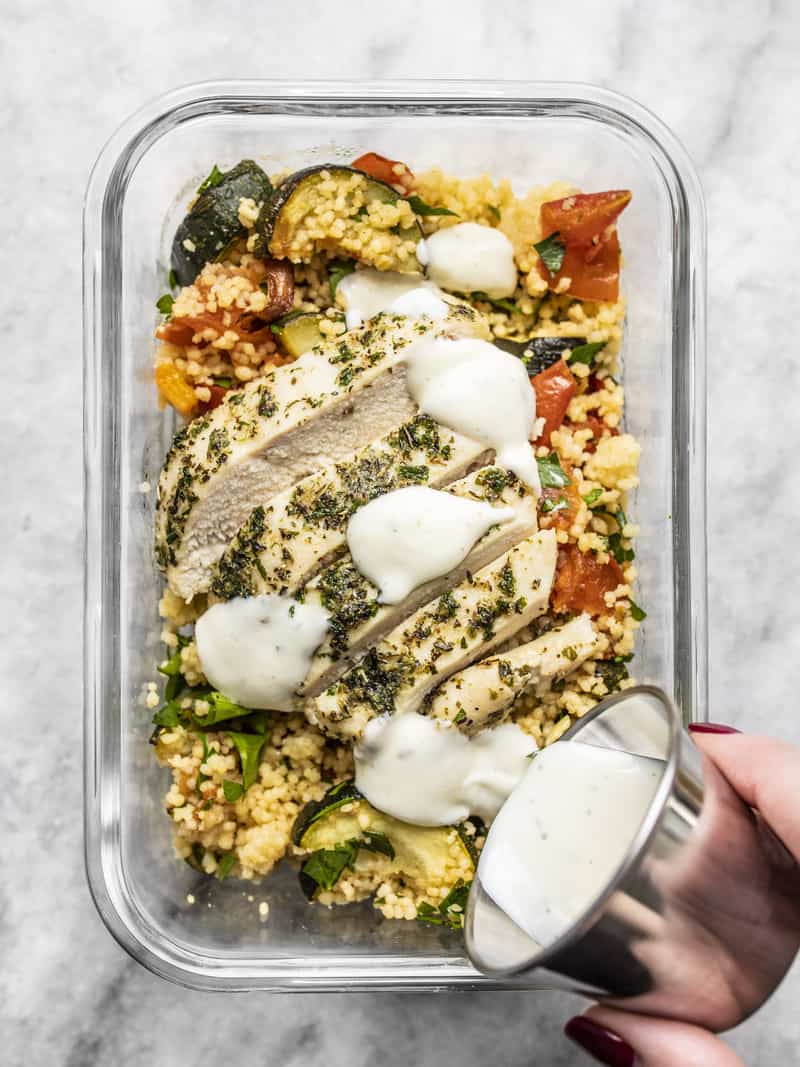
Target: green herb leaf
501	305
325	866
220	710
551	252
249	747
223	383
637	612
586	353
612	671
173	280
460	716
338	270
232	790
548	506
618	550
592	497
551	474
451	910
164	304
201	775
225	865
374	841
168	715
214	178
420	207
408	473
172	666
494	212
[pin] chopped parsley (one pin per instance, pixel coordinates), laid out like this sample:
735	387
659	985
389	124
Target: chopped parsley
549	505
551	252
612	671
338	269
164	304
412	474
592	497
421	207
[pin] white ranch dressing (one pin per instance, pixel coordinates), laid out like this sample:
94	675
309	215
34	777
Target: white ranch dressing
407	537
563	832
466	258
258	650
477	389
368	292
429	773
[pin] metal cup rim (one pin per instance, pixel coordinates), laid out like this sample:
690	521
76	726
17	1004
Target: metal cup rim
633	856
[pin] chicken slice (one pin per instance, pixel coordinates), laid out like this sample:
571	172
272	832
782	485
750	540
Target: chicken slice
482	695
285	542
276	430
357	619
444	636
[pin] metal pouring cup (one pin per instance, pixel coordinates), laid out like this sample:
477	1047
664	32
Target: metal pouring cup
700	920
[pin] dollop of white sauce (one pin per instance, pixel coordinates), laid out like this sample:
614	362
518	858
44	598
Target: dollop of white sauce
477	389
429	773
563	833
258	650
366	293
407	537
467	258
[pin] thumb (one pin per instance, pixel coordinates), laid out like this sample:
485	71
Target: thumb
624	1039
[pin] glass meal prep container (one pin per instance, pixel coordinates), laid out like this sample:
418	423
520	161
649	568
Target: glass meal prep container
532	133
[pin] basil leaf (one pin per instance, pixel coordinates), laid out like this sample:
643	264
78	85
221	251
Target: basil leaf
494	212
374	841
338	270
171	666
168	715
548	506
249	747
232	790
326	865
223	383
501	305
551	252
225	864
214	178
220	710
201	775
173	280
618	550
637	612
612	671
585	353
551	474
164	304
420	207
451	910
592	497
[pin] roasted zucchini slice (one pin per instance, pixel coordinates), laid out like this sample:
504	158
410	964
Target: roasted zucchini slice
297	224
212	224
298	332
339	829
539	353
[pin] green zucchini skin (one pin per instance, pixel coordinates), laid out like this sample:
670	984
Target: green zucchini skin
337	796
299	332
285	210
539	353
212	224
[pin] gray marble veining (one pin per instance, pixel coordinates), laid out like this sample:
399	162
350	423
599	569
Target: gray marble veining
727	78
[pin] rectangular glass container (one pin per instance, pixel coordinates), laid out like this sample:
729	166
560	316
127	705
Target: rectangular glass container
532	133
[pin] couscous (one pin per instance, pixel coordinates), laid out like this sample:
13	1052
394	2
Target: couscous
304	312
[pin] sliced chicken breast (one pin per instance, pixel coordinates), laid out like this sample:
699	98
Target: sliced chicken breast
270	434
359	620
482	612
285	542
482	695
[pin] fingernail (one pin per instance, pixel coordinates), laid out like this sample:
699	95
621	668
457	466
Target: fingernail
606	1046
711	728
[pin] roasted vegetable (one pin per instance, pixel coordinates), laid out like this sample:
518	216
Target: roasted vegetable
581	247
554	389
213	224
341	825
298	332
288	235
385	170
174	388
539	353
581	582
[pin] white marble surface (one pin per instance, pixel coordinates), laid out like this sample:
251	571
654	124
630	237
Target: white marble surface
726	76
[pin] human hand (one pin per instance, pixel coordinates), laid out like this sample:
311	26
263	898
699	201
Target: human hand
766	775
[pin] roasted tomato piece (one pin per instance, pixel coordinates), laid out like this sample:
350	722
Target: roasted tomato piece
174	388
559	507
554	389
586	226
217	396
581	582
383	169
598	428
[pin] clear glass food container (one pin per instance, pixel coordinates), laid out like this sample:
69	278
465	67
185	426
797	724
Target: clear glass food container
530	132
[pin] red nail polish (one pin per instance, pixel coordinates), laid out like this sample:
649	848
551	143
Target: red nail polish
606	1046
711	728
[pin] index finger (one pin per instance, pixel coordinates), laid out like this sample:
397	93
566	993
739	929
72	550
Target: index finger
766	775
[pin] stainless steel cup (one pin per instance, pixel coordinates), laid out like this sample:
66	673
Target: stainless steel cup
701	920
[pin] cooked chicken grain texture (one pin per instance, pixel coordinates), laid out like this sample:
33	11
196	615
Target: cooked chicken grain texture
358	619
267	436
476	616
